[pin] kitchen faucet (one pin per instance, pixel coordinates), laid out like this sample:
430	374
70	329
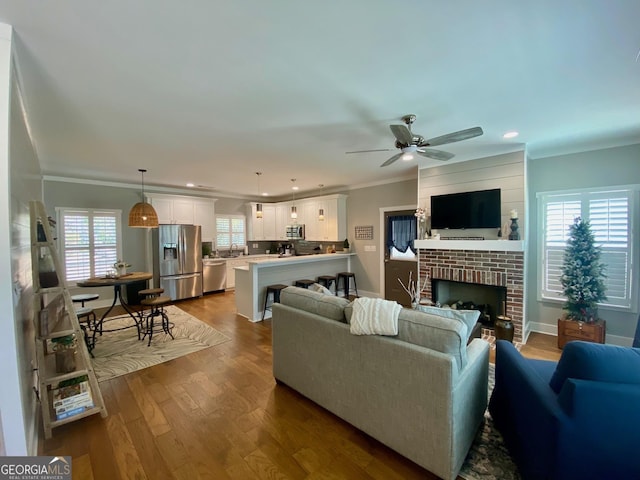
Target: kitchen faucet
231	249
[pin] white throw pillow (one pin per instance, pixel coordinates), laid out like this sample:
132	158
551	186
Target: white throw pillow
468	317
316	287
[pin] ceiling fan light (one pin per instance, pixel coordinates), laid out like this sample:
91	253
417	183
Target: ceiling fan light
512	134
407	156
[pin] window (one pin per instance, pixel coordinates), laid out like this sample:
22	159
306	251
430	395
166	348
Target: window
230	230
610	215
90	241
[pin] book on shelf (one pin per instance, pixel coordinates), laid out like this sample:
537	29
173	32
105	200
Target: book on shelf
72	399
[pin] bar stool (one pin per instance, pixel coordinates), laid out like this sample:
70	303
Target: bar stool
305	283
346	276
275	290
156	303
326	280
86	315
148	293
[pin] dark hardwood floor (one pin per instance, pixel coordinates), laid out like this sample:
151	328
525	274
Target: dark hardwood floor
218	414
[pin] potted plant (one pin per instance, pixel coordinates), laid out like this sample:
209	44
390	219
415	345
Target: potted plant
345	245
583	286
65	352
121	267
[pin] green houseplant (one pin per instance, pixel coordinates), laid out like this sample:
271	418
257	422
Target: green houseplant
582	274
65	352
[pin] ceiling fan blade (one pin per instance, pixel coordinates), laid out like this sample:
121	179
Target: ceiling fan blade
453	137
402	134
392	159
436	154
378	150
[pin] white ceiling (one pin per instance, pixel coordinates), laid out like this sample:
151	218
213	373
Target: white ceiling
210	92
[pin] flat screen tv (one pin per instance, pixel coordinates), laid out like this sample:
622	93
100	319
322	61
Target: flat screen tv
479	209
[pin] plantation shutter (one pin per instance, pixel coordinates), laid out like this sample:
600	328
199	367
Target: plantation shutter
609	214
230	230
609	218
90	242
559	214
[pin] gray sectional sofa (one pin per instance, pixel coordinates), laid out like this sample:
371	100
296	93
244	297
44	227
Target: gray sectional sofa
423	392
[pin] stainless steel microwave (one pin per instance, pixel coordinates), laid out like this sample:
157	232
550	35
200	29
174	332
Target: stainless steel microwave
295	232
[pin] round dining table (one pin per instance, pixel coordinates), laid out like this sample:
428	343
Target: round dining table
116	282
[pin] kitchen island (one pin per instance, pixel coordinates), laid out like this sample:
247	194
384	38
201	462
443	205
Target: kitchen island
252	280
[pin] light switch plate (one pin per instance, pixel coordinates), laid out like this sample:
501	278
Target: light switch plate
369	248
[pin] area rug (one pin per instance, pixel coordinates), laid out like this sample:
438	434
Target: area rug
120	352
488	458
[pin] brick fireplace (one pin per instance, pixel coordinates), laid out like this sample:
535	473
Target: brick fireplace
492	267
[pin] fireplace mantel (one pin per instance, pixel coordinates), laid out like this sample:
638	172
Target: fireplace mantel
482	245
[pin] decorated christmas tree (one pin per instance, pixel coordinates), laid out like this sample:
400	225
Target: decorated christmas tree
582	274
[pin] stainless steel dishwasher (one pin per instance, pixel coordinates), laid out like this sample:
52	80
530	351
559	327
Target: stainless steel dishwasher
214	273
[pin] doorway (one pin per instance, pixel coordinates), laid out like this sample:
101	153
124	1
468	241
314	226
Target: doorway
400	230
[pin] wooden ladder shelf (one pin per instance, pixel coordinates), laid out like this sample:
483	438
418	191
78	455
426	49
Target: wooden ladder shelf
67	383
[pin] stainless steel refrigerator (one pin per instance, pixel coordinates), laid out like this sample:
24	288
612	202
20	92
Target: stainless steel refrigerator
178	260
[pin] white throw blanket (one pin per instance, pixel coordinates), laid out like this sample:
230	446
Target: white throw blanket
375	316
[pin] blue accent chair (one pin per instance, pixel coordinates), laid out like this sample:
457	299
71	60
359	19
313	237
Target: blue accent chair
578	418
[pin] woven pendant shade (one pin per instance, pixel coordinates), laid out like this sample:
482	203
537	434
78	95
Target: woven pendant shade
142	214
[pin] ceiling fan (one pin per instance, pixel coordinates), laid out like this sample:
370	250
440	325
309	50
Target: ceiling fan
410	143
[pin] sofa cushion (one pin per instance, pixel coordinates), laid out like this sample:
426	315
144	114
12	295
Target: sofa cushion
445	335
598	362
468	317
316	287
328	306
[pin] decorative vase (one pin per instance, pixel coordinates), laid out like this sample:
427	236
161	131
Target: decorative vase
504	328
121	271
65	360
514	235
422	229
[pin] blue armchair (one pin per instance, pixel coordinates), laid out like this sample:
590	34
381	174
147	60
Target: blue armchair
577	419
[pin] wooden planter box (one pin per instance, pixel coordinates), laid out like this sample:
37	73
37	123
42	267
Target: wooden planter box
589	332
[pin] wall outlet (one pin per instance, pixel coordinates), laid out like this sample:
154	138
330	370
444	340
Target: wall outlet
255	245
369	248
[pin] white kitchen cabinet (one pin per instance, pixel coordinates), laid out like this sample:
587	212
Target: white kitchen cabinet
204	215
239	262
174	209
163	207
283	218
183	211
276	217
262	228
310	220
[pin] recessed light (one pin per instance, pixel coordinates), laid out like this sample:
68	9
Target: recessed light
265	194
512	134
190	185
295	188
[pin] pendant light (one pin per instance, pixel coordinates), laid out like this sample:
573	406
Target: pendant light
294	210
142	214
258	205
321	210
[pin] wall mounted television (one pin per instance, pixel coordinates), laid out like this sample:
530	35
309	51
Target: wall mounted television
480	209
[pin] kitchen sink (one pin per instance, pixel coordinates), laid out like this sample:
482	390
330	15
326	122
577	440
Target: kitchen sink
229	255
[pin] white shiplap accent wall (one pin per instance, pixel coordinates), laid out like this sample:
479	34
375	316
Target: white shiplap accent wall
506	172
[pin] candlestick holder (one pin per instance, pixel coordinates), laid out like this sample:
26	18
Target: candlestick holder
514	235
